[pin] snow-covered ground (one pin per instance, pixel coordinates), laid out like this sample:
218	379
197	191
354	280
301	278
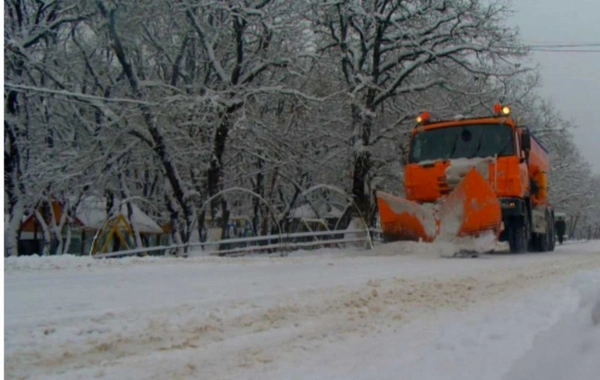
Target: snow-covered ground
397	312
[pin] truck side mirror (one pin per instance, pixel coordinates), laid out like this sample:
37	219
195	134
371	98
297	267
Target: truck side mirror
526	141
404	158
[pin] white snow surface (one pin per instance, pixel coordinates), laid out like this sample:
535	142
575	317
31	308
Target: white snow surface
451	215
307	212
571	348
399	311
459	167
92	213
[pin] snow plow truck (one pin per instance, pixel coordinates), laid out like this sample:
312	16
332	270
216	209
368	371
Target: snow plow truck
471	176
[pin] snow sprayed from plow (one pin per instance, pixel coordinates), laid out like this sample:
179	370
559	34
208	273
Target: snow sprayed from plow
423	212
450	246
421	249
451	216
473	246
460	166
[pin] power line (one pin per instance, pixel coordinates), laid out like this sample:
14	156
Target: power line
571	47
575	47
566	50
564	45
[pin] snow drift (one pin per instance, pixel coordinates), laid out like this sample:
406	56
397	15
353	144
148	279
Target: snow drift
388	313
571	348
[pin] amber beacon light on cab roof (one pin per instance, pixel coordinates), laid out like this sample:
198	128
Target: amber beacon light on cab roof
470	176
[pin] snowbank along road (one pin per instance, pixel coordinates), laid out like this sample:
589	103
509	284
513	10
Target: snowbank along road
399	311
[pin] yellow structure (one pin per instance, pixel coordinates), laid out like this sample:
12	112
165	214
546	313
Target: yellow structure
117	228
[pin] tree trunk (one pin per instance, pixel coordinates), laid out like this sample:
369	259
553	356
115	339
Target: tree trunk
215	170
573	226
201	226
150	119
224	219
13	186
271	197
200	187
174	214
126	195
57	228
362	162
67	244
110	212
136	233
47	237
11	234
259	188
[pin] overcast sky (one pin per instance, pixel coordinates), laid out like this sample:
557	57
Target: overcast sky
571	80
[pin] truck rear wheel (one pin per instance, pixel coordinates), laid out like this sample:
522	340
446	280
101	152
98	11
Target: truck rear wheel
552	233
536	245
544	242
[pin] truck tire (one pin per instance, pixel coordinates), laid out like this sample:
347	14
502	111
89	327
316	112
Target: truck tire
544	242
552	234
517	239
536	245
388	238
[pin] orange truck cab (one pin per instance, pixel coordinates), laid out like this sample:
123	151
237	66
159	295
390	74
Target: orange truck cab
510	159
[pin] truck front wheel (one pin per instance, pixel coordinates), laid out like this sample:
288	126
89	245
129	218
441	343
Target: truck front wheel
517	238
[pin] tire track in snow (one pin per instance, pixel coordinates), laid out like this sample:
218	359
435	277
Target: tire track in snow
242	336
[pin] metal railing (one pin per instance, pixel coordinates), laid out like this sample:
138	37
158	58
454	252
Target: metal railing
270	244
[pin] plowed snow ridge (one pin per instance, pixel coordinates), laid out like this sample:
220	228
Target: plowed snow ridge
254	317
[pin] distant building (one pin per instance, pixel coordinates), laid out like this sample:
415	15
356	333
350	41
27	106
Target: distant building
89	218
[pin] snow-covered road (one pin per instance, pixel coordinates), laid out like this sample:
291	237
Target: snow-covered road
399	311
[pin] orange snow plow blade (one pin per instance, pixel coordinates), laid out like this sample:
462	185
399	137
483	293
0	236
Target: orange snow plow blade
402	219
471	209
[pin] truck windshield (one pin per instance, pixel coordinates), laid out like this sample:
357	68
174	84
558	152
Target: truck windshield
467	141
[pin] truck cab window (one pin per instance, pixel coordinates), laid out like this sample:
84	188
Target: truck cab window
467	141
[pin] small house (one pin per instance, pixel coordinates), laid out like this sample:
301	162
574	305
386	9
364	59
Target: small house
90	221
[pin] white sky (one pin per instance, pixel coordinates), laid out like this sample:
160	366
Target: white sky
570	80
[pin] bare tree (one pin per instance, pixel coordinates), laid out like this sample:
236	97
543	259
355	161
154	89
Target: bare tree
390	48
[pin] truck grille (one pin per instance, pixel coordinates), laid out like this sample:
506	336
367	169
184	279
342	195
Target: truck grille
443	185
